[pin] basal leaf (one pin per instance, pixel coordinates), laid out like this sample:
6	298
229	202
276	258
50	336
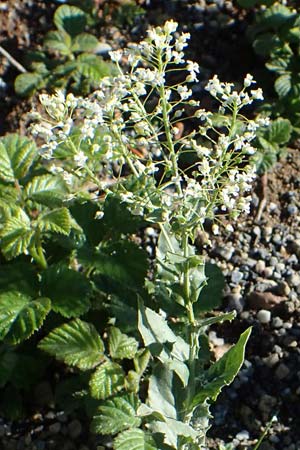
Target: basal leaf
172	429
279	131
58	41
120	345
70	19
117	415
18	154
56	221
108	379
20	316
222	372
84	42
93	67
69	290
27	83
134	439
48	190
77	343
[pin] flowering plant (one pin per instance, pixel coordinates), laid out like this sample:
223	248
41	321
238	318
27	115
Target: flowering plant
125	161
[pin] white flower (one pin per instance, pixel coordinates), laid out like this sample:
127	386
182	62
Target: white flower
80	159
248	80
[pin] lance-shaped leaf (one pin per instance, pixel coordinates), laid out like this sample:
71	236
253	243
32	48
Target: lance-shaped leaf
134	439
153	327
117	415
160	395
20	316
77	343
17	154
120	345
56	221
68	289
48	190
108	379
172	429
223	372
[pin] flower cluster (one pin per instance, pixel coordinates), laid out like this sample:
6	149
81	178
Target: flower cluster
132	119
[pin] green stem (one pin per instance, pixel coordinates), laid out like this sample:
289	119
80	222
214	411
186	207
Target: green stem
37	253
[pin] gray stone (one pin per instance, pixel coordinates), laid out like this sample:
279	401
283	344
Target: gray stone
264	316
74	428
243	435
260	266
55	428
277	322
236	276
282	371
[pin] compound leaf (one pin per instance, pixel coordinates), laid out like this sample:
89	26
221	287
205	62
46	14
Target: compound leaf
58	41
117	415
27	83
120	345
107	380
70	19
56	221
20	316
84	42
17	154
283	85
16	236
77	343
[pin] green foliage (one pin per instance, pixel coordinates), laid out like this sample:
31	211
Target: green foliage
271	143
68	58
275	35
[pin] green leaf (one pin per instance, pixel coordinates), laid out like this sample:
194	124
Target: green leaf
20	316
212	294
171	429
77	343
117	415
16	237
70	19
84	42
153	327
160	395
93	67
27	83
69	290
266	43
108	379
141	360
223	372
134	439
8	360
279	131
17	156
283	85
58	41
120	345
55	221
48	190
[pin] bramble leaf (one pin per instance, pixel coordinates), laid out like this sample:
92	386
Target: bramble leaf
84	42
117	415
283	85
108	379
48	190
70	19
68	289
20	316
58	41
77	343
27	83
16	236
17	156
56	221
134	439
120	345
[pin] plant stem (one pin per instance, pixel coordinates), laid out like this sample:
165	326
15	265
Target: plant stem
12	60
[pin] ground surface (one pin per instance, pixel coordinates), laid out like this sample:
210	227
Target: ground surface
260	259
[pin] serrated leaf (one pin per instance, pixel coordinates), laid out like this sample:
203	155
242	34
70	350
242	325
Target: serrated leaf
56	221
279	131
93	67
18	154
16	236
84	42
27	83
69	290
77	343
283	85
58	41
223	372
134	439
48	190
20	316
117	415
141	360
120	345
70	19
108	379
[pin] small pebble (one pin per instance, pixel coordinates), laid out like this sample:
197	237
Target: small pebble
242	435
264	316
74	428
282	371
